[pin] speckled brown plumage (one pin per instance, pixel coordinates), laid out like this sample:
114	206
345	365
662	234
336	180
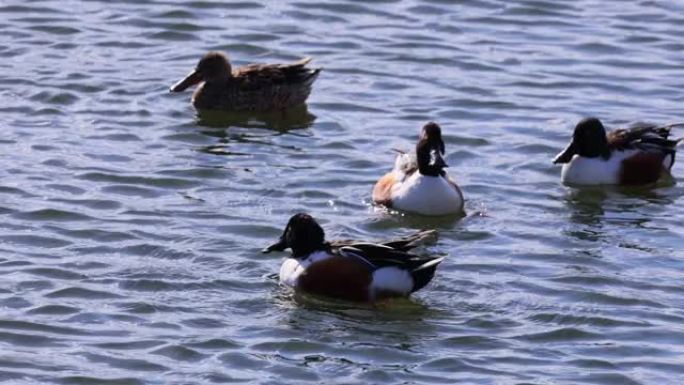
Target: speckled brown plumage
256	87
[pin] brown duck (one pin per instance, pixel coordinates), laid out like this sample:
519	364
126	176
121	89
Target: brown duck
255	87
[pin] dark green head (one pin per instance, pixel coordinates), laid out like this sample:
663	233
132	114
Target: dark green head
430	149
302	234
589	141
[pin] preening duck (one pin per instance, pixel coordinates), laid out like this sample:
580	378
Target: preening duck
418	182
256	87
638	155
349	270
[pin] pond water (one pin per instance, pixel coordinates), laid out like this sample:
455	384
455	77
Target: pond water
131	227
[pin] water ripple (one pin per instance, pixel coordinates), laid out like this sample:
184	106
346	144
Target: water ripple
132	225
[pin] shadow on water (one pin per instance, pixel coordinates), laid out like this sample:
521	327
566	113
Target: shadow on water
302	306
227	137
281	120
586	205
593	207
238	127
224	140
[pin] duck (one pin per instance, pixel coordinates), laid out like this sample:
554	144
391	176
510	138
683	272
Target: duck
351	270
638	155
253	88
418	182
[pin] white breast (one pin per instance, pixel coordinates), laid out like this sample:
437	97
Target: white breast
292	268
594	171
427	195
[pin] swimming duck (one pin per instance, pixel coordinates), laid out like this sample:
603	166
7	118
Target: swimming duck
348	270
632	156
418	182
256	87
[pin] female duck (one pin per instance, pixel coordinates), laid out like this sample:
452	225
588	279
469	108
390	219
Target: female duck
634	156
354	271
255	88
419	183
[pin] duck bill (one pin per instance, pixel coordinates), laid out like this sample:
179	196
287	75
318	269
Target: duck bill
193	78
281	245
566	155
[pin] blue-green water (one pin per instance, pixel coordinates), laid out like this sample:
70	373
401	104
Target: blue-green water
131	229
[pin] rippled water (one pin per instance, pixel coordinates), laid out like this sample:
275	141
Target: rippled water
131	229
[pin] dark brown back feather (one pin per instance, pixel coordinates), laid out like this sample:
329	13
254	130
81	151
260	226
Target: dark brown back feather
266	75
643	136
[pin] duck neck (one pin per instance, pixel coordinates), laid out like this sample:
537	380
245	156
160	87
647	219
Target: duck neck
425	166
304	251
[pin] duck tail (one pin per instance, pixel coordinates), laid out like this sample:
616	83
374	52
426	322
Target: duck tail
664	131
302	62
429	264
298	73
312	75
670	126
423	274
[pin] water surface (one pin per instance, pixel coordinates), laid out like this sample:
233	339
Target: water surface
131	228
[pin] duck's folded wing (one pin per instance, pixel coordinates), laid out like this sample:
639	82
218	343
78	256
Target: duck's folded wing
258	75
638	135
383	256
400	244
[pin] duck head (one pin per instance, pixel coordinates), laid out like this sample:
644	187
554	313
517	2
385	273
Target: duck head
302	234
213	66
430	149
589	141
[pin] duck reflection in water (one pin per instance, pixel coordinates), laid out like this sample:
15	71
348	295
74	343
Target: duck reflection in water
593	209
293	118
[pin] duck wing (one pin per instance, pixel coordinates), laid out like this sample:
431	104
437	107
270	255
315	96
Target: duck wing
644	136
383	256
255	76
401	244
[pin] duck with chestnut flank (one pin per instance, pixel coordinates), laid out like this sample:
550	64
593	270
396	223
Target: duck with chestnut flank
638	155
349	270
418	182
252	88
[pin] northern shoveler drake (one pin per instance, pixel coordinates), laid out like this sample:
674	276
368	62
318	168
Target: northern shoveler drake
348	270
256	87
418	183
632	156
